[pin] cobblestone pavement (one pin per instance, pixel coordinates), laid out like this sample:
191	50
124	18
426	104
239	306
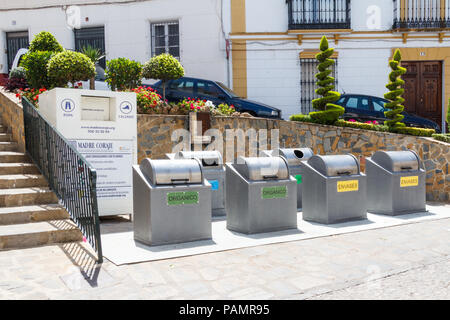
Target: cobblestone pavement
401	262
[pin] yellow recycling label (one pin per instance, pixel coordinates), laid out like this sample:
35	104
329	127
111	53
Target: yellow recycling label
348	185
409	181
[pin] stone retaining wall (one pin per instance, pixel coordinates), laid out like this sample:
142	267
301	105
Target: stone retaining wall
154	140
12	117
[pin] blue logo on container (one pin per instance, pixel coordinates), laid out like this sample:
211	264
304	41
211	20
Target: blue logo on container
67	105
126	107
214	184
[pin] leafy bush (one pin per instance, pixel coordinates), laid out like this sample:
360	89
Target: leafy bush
163	67
328	112
195	105
70	66
420	132
123	74
148	100
302	118
362	125
442	137
225	109
17	73
35	65
45	41
395	107
31	94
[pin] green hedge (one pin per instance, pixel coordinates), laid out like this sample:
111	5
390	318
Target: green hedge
70	66
420	132
45	41
442	137
35	65
361	125
123	74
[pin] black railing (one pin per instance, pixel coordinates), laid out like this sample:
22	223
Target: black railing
69	175
420	14
319	14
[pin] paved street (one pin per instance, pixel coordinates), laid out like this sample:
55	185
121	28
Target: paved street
404	262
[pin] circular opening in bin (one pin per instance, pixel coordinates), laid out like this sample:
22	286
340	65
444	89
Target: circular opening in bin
298	154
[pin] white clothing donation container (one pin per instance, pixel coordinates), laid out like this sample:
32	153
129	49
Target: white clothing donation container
102	125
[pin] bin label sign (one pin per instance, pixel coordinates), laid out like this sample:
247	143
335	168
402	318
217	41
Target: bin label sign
409	181
274	192
348	185
214	184
299	178
180	198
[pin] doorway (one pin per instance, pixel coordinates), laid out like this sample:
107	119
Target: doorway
423	89
14	42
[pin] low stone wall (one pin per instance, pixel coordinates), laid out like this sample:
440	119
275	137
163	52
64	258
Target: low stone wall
12	117
154	140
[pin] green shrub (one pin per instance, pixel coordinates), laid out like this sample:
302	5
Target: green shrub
361	125
328	112
35	65
225	109
45	41
302	118
70	66
395	107
442	137
163	67
17	73
420	132
123	74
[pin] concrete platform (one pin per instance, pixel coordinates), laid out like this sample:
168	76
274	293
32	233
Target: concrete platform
120	248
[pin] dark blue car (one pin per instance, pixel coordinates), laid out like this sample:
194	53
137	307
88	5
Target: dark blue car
369	108
185	87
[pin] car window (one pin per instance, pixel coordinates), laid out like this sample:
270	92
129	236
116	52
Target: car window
182	85
208	89
378	105
341	100
363	104
352	103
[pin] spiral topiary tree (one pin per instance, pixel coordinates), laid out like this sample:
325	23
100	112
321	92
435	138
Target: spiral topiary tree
395	107
328	112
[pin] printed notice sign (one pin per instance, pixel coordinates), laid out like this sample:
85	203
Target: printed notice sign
274	192
346	186
113	161
411	181
180	198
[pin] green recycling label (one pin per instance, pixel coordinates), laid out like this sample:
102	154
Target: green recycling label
299	178
180	198
274	192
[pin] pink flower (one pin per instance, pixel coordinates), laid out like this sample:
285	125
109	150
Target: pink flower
351	120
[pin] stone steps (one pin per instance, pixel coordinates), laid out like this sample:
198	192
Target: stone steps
8	146
22	181
18	168
32	213
39	233
26	196
11	157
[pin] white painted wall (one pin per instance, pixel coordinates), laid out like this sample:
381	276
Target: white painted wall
127	30
372	15
266	15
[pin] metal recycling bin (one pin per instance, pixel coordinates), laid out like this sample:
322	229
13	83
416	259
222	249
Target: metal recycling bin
334	189
396	183
261	195
214	171
294	157
172	202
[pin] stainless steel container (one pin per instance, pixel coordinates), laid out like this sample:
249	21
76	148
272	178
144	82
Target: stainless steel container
334	189
214	171
294	158
396	183
172	202
261	196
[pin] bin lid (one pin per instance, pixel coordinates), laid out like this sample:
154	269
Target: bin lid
207	158
295	156
335	165
263	168
168	172
397	161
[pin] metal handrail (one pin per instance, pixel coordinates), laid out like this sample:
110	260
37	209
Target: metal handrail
69	175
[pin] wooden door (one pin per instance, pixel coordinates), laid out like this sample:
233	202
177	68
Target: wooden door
423	89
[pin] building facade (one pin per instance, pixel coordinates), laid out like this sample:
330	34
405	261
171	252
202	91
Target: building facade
274	43
263	49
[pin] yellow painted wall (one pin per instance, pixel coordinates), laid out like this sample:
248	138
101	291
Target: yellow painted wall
239	48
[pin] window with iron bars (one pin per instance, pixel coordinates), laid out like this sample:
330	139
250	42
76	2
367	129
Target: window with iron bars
166	38
308	86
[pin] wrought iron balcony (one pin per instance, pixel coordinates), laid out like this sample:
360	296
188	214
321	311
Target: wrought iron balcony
420	14
319	14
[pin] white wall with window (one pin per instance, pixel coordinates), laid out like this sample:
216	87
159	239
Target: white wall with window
190	30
